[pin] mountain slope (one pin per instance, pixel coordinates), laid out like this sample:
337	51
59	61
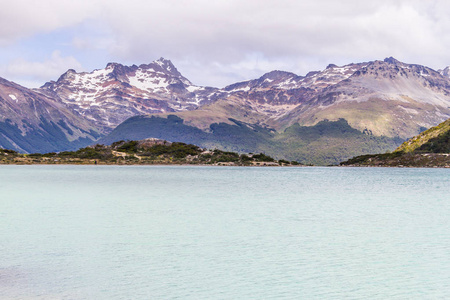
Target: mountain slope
31	122
431	148
433	140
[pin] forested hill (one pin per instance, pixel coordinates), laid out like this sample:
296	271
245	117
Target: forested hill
431	148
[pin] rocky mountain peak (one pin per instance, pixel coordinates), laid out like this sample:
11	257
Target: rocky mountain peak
391	68
163	61
68	75
277	75
119	72
112	65
445	72
162	65
391	60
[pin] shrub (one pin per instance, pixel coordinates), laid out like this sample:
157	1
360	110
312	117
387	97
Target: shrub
130	146
263	157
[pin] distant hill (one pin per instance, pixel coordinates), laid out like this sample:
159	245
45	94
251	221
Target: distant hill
431	148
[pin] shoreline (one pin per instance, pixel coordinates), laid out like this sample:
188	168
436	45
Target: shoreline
221	165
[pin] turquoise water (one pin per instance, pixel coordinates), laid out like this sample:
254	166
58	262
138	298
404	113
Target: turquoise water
179	232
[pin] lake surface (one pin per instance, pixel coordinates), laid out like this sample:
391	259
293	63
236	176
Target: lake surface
181	232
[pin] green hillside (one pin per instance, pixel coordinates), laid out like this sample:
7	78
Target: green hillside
431	148
433	140
326	143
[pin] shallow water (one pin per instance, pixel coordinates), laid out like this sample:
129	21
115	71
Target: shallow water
181	232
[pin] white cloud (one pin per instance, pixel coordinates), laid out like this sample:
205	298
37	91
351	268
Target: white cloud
238	39
33	73
285	33
22	18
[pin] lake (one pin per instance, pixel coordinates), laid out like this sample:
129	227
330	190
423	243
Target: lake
191	232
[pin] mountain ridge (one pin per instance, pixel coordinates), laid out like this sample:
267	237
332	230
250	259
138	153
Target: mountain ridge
280	98
380	98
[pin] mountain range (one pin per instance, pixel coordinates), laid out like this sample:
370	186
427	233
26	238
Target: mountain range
321	118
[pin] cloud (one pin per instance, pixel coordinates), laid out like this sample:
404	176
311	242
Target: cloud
22	18
33	73
214	42
297	34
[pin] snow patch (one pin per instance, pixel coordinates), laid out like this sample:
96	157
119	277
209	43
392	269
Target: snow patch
194	88
341	70
245	89
13	97
409	110
144	81
289	84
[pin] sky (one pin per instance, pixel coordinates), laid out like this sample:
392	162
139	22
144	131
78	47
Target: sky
220	42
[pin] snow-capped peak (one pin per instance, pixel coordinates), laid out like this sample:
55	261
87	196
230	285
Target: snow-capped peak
112	94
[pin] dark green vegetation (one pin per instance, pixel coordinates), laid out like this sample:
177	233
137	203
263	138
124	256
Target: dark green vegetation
330	142
326	143
149	151
431	148
433	140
